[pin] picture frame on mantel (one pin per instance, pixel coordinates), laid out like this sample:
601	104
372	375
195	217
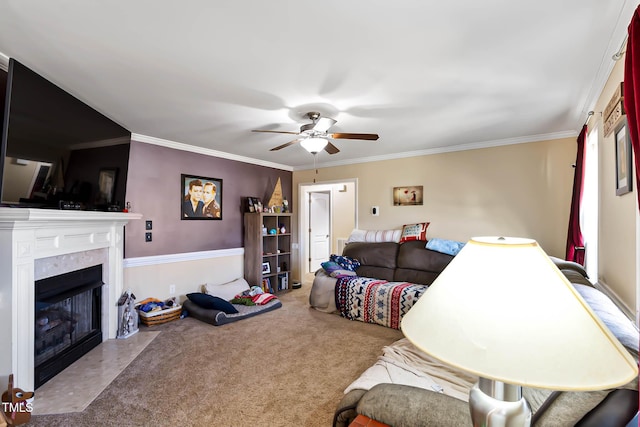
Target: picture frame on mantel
201	197
622	142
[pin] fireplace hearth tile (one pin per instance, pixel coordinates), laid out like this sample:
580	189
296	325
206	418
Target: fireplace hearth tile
73	389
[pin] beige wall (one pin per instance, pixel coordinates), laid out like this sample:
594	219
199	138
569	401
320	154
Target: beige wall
516	190
154	280
617	216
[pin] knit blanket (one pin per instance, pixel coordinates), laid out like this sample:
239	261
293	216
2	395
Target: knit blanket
376	301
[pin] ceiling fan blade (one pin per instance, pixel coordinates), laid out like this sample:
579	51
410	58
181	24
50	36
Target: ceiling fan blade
365	136
331	149
323	124
275	131
279	147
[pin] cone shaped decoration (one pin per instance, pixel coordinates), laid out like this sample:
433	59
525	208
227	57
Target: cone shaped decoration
276	197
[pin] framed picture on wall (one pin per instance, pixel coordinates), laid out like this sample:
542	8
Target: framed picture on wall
407	196
623	159
201	197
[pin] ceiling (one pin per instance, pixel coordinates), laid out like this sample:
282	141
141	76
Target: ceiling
427	76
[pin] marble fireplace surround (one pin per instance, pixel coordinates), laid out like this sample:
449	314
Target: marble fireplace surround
40	243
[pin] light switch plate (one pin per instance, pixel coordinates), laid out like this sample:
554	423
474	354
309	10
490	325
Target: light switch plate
147	237
148	225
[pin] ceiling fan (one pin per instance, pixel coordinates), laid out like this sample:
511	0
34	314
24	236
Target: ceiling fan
314	137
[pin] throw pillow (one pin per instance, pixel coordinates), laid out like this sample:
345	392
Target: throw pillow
372	236
211	302
330	266
227	291
334	269
414	232
345	262
449	247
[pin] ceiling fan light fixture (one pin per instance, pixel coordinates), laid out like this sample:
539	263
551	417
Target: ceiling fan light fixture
314	145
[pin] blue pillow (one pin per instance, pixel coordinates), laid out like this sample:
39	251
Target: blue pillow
449	247
210	302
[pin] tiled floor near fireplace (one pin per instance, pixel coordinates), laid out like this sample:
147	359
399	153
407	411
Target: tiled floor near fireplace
75	388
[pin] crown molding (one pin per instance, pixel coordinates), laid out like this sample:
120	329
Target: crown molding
206	151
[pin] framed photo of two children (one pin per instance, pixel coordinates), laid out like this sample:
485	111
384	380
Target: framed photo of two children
201	197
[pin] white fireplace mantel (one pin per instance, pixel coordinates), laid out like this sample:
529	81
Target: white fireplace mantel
27	235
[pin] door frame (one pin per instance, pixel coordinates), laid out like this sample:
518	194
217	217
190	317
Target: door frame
304	188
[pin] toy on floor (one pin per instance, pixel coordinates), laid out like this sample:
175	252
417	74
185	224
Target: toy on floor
16	406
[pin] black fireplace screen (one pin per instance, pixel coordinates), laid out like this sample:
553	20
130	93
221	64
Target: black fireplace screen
67	320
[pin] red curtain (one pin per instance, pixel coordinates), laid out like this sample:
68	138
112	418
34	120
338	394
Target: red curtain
632	90
575	241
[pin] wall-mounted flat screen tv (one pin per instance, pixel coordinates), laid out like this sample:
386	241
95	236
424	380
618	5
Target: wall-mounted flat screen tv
55	148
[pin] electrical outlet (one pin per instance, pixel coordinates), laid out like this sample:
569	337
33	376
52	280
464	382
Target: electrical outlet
294	246
148	225
172	289
147	237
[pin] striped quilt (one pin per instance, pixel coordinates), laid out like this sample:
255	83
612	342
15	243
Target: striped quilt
376	301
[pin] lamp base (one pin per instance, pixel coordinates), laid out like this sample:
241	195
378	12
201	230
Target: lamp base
497	404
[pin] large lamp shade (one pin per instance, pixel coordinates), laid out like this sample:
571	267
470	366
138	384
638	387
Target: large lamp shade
503	311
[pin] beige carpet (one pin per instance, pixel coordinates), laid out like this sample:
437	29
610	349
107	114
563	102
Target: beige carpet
288	367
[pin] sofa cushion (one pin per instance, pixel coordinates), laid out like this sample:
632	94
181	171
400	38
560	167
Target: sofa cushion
334	269
381	254
345	262
414	255
373	236
416	231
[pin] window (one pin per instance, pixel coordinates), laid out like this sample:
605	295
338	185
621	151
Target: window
589	208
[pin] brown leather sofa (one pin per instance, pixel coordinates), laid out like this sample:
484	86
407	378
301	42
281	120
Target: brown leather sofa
395	262
398	262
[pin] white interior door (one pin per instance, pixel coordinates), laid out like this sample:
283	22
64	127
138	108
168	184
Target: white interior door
319	229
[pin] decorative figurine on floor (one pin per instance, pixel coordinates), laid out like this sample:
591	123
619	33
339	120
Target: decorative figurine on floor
16	406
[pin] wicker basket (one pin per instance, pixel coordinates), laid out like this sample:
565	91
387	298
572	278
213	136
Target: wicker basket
161	316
